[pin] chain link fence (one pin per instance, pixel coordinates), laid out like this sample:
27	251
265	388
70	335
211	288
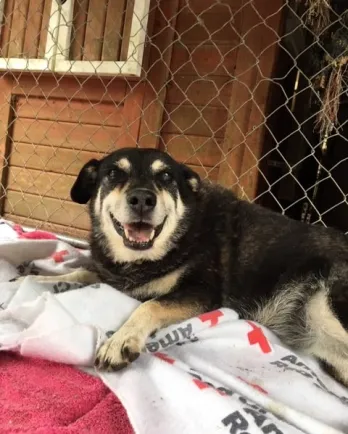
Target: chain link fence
251	94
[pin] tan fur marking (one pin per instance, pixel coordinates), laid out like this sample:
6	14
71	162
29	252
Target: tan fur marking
79	276
330	337
194	184
161	286
97	203
157	166
166	207
124	164
148	317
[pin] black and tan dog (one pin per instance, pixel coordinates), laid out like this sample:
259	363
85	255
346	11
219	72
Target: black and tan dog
184	247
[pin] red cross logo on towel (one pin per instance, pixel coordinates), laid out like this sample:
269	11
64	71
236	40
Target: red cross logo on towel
213	317
165	358
255	386
256	336
59	256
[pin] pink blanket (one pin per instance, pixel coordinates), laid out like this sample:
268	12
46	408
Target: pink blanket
40	397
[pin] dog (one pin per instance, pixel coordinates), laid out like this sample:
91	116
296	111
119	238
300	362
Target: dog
183	247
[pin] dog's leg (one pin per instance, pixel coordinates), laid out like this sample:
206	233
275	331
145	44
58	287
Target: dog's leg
124	346
327	316
80	275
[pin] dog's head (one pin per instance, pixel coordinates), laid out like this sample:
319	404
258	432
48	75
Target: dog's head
140	199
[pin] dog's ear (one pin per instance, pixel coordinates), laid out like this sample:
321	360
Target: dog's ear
191	177
85	183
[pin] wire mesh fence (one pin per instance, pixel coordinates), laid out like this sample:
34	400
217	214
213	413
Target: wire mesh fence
251	94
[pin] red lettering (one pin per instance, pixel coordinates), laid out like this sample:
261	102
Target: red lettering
255	386
165	358
213	317
59	256
200	384
256	336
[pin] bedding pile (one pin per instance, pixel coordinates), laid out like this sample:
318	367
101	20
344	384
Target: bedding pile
212	374
41	397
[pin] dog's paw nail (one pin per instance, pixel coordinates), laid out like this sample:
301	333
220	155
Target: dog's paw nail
129	354
118	367
115	354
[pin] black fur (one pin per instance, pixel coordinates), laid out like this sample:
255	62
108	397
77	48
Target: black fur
238	255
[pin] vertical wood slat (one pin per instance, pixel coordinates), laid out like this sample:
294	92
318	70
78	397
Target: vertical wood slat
244	133
241	101
126	29
113	30
158	73
271	14
93	43
6	118
132	116
19	22
6	27
33	29
44	28
79	29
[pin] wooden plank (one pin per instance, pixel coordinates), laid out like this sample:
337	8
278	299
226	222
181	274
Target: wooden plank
93	43
40	182
132	114
19	20
203	60
215	7
138	34
90	89
127	25
50	159
46	209
217	28
6	27
44	29
188	119
130	69
158	73
69	111
33	29
79	29
6	118
67	135
240	104
268	31
194	150
212	90
57	229
113	30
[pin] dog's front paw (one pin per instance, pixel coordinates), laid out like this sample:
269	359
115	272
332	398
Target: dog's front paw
119	351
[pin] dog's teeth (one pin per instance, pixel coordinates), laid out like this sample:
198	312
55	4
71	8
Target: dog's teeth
152	234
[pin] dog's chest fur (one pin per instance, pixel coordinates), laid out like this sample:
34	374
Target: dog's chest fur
141	281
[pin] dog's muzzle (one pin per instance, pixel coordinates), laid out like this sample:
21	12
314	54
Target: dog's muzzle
139	233
141	201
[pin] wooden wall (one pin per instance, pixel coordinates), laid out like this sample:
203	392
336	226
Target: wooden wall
214	109
203	99
100	29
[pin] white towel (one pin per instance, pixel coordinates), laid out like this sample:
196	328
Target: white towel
211	374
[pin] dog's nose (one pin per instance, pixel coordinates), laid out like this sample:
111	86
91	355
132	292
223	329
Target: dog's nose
142	200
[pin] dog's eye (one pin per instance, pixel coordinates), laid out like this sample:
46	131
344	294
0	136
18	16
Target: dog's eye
113	174
166	177
117	175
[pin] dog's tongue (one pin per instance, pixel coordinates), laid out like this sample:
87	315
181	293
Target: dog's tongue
139	232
